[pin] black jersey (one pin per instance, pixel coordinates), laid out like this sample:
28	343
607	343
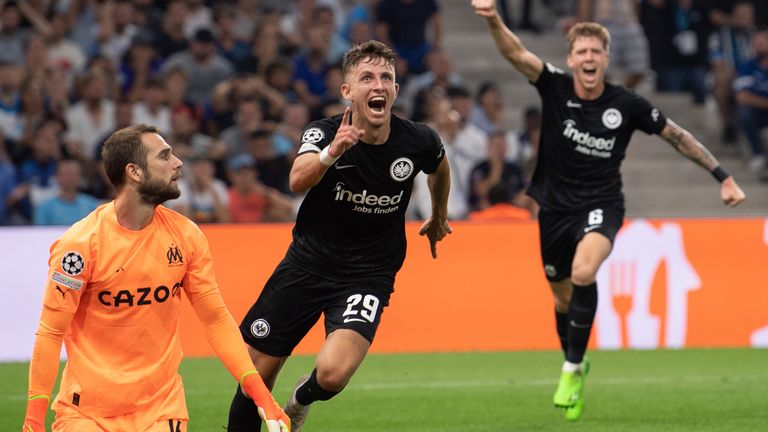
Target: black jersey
584	141
351	225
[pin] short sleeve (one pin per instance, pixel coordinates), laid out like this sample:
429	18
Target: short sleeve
434	153
70	267
315	137
549	79
646	117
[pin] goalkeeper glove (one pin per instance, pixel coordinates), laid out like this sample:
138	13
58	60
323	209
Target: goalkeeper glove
37	407
269	411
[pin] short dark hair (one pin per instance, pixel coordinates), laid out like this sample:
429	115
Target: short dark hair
366	52
125	147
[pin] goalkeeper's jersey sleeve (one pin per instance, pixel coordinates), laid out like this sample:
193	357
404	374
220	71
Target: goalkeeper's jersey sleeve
123	289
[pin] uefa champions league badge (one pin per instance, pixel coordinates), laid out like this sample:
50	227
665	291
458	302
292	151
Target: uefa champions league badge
72	263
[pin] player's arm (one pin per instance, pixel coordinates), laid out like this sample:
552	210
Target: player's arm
44	366
222	333
309	168
436	226
690	147
508	44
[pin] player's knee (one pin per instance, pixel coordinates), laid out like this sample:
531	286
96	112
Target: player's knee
582	274
332	379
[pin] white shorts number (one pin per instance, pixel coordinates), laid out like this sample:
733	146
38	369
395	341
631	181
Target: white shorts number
369	307
595	217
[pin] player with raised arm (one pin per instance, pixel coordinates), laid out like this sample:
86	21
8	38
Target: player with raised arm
114	298
349	238
587	125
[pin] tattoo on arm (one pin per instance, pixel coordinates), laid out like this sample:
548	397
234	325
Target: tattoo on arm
688	146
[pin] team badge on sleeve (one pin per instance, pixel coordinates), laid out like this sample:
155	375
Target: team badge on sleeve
260	328
401	169
72	263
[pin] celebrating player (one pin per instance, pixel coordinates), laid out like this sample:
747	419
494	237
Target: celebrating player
587	126
114	297
349	238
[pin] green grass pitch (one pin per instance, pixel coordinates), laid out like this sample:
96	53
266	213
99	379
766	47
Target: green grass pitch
666	390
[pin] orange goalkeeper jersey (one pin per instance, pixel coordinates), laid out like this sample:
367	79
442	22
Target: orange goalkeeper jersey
124	290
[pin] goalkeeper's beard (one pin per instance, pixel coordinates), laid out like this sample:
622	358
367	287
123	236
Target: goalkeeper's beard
154	192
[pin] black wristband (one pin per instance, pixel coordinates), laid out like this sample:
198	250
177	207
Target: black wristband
719	174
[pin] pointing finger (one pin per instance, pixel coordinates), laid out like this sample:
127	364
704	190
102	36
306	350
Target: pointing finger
346	117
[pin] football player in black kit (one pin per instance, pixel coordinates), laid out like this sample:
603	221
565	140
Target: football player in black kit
586	126
349	238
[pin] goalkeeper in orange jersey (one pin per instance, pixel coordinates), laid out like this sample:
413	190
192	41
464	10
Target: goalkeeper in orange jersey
114	298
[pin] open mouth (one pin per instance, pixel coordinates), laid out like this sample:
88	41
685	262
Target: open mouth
377	104
590	72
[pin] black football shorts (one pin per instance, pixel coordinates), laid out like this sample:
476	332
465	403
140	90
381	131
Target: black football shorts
560	232
292	301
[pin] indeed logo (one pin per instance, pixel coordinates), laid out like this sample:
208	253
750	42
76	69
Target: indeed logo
585	138
343	194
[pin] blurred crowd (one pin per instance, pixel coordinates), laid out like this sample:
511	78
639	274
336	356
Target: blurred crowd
232	83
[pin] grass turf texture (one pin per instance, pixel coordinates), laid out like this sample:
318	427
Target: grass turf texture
685	390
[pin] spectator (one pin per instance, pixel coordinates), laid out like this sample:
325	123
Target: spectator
199	17
249	117
69	206
203	67
447	123
7	183
91	118
152	108
678	32
273	168
116	29
471	141
64	54
440	73
204	198
13	37
140	65
526	22
730	51
360	18
228	43
523	146
35	176
331	102
488	112
249	200
496	170
310	67
171	39
337	44
402	24
176	90
11	106
501	208
265	48
291	128
279	76
751	88
189	143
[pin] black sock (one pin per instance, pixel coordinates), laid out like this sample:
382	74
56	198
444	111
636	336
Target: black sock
561	321
311	391
243	414
581	315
